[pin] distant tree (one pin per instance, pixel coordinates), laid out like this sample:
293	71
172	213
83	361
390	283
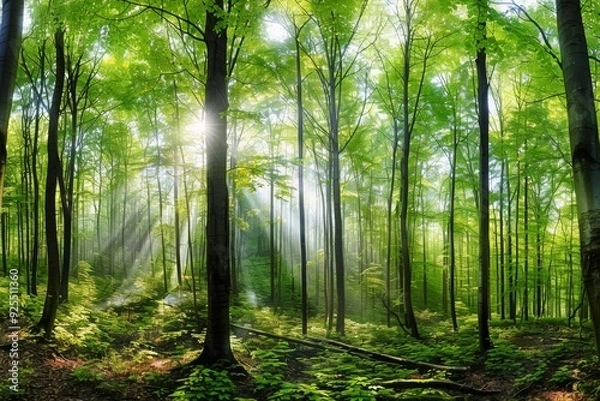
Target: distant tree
585	147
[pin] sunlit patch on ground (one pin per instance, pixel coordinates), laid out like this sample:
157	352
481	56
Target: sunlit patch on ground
61	363
557	396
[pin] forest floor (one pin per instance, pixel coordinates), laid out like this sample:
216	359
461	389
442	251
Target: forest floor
126	355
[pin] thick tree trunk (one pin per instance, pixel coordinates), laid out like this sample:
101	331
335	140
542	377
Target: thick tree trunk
10	45
54	170
217	345
484	213
585	149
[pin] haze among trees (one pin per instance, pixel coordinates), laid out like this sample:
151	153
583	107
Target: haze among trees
300	199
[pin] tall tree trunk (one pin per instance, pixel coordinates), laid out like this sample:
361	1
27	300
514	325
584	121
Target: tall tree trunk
272	249
484	203
538	263
411	322
68	186
389	225
526	245
36	181
235	261
161	220
3	238
512	302
585	149
451	230
301	209
54	170
10	47
217	345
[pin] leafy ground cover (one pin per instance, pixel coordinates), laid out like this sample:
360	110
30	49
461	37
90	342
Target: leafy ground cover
142	349
143	352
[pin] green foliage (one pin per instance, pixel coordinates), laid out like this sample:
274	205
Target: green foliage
205	384
272	366
589	384
82	290
505	360
362	388
86	374
76	328
300	391
562	376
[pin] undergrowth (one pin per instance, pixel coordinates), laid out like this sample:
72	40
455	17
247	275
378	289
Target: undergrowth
118	345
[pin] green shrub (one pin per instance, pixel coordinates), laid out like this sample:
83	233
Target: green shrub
85	374
205	384
300	391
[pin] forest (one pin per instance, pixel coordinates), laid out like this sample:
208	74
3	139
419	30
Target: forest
299	200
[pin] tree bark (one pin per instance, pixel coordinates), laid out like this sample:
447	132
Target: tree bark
10	46
217	345
585	149
484	212
451	226
406	258
301	208
54	170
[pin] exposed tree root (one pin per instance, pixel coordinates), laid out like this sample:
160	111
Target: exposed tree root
445	385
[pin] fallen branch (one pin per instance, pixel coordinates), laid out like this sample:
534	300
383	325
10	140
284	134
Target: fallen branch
337	346
390	358
445	385
278	337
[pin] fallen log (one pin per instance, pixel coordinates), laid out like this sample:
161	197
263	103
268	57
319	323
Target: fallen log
445	385
337	346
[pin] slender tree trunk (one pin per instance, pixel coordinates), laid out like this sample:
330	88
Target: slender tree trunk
177	222
585	149
161	212
338	229
526	246
36	181
235	261
538	264
3	232
423	245
411	322
301	209
451	230
68	183
502	246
